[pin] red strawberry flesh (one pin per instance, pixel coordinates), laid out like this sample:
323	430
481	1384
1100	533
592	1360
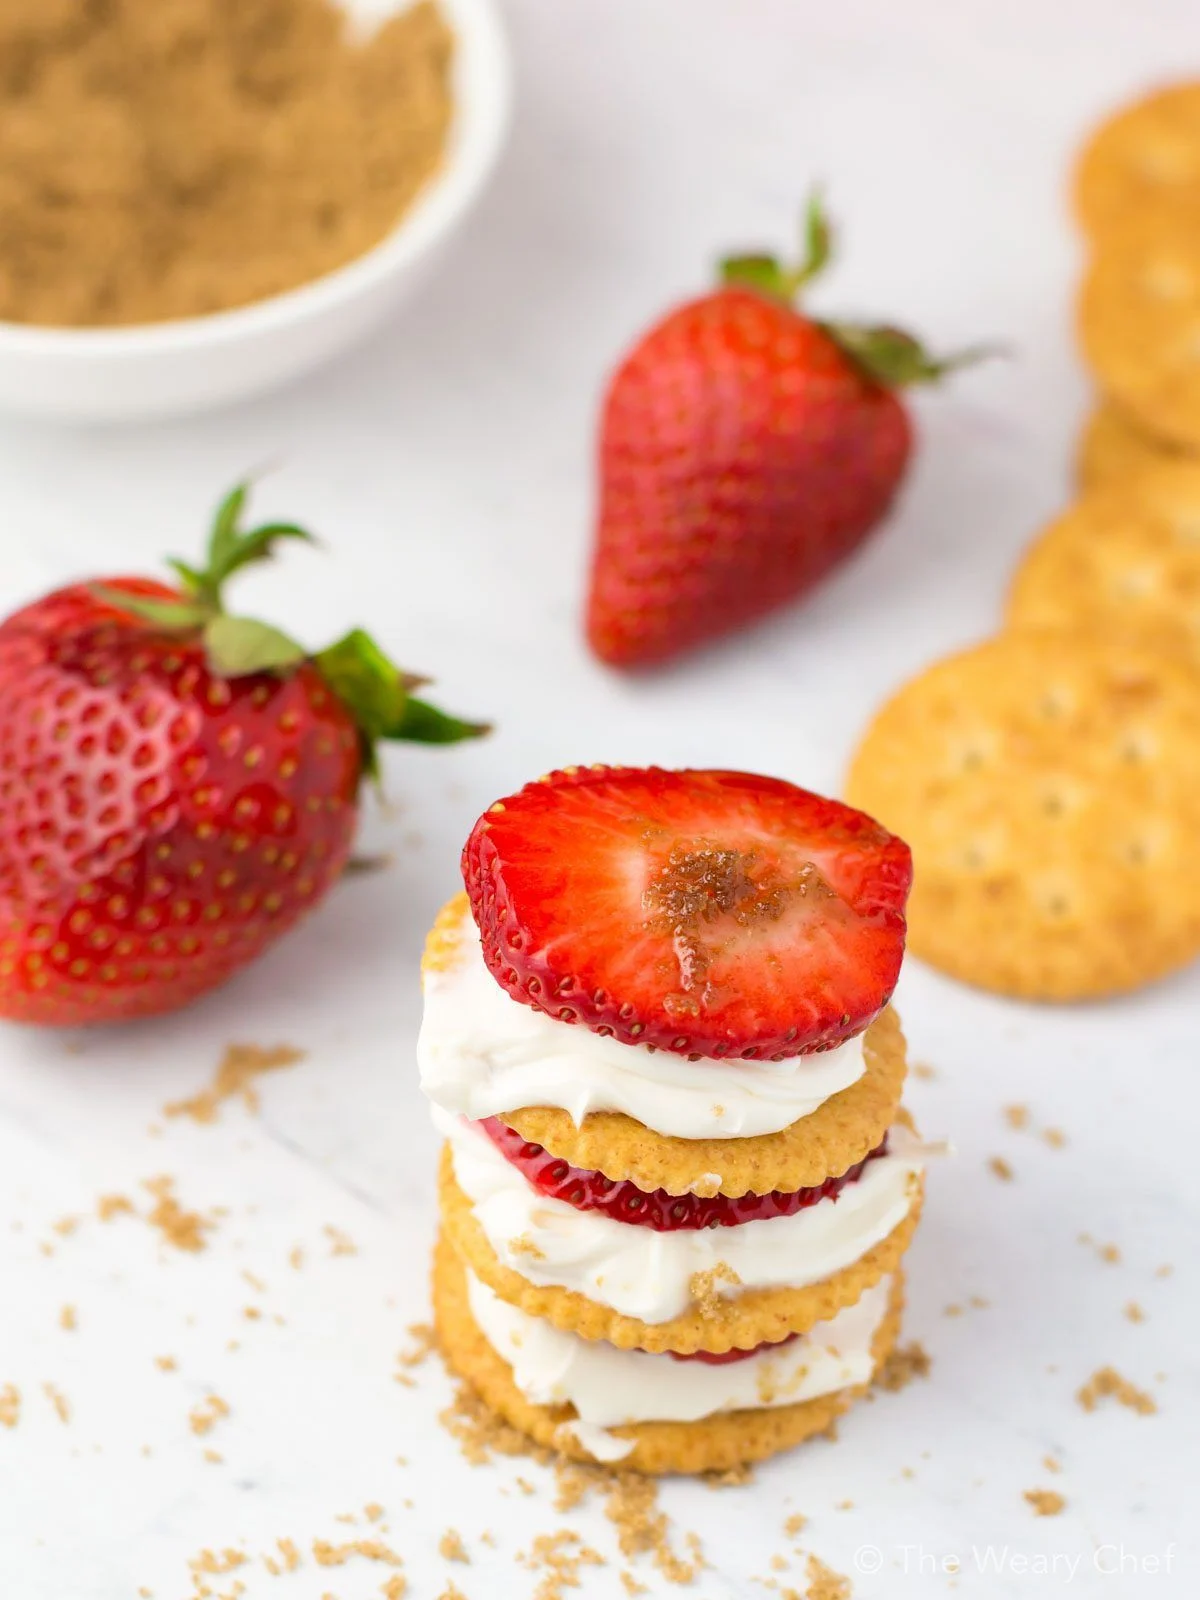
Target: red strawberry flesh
665	1213
707	913
726	1358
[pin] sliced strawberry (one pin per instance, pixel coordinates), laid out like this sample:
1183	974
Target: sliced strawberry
707	913
665	1213
725	1358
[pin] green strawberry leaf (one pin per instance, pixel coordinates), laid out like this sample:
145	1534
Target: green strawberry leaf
894	358
231	547
237	646
769	276
764	273
173	616
365	679
425	724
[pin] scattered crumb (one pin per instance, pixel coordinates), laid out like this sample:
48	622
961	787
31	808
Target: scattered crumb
703	1290
184	1230
1017	1116
1045	1502
166	1363
1134	1312
67	1319
452	1592
290	1553
395	1587
373	1512
559	1558
481	1433
824	1583
979	1303
523	1245
65	1226
296	1258
1164	1271
632	1508
343	1244
922	1070
1001	1169
953	1311
778	1564
424	1342
1052	1463
203	1417
59	1401
795	1525
573	1483
631	1586
1054	1137
326	1554
452	1548
10	1406
905	1363
213	1565
1106	1382
732	1477
1110	1253
525	1486
844	1505
235	1076
214	1456
109	1206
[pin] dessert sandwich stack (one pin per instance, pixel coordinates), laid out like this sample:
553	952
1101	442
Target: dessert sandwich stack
677	1183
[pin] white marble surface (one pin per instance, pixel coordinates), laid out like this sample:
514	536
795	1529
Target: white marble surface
447	467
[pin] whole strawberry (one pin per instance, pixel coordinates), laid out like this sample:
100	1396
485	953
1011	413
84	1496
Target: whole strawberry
745	449
178	786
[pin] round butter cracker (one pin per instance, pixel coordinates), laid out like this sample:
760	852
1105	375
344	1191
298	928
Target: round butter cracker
1123	562
715	1444
1144	159
1111	448
715	1321
1049	785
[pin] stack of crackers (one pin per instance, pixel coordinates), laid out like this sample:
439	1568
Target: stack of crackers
1048	780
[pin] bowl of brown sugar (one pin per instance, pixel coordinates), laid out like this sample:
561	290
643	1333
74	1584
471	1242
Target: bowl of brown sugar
202	200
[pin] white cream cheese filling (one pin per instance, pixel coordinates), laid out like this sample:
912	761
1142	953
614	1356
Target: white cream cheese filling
638	1272
481	1053
609	1387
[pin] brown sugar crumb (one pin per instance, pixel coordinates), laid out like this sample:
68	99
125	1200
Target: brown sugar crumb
1164	1271
238	1068
452	1592
452	1548
1045	1502
795	1525
559	1558
953	1311
373	1512
59	1401
166	1363
10	1406
573	1483
525	1486
1052	1463
343	1244
844	1505
296	1258
1134	1312
632	1508
205	1416
1055	1138
702	1287
1110	1253
65	1226
923	1070
185	1230
481	1434
1017	1116
109	1206
631	1586
1001	1169
424	1343
214	1456
824	1583
905	1363
732	1477
212	1565
523	1245
326	1554
1107	1383
395	1587
67	1319
290	1553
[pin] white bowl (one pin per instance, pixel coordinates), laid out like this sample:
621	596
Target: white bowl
169	369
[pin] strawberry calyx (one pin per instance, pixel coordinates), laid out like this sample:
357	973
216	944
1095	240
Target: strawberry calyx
359	672
887	355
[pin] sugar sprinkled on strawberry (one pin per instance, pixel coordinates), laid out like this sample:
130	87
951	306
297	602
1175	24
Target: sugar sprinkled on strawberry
178	786
707	913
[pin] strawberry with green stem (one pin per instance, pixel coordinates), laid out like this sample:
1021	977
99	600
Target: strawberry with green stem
179	785
745	450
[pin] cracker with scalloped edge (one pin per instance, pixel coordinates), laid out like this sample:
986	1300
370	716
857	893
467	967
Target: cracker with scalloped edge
1111	448
715	1321
714	1444
1143	159
1139	326
1049	785
1123	562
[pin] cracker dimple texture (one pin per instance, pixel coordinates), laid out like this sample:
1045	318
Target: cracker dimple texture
716	1444
1139	325
715	1322
1143	159
1124	562
1049	785
1111	448
819	1146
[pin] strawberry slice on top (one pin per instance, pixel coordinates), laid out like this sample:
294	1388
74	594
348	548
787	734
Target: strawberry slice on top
708	913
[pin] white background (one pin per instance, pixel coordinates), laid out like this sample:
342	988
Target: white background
448	469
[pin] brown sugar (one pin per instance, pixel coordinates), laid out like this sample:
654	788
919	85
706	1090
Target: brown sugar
452	1548
559	1557
903	1364
162	161
1108	1383
1045	1502
185	1230
1001	1169
238	1068
824	1583
10	1406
